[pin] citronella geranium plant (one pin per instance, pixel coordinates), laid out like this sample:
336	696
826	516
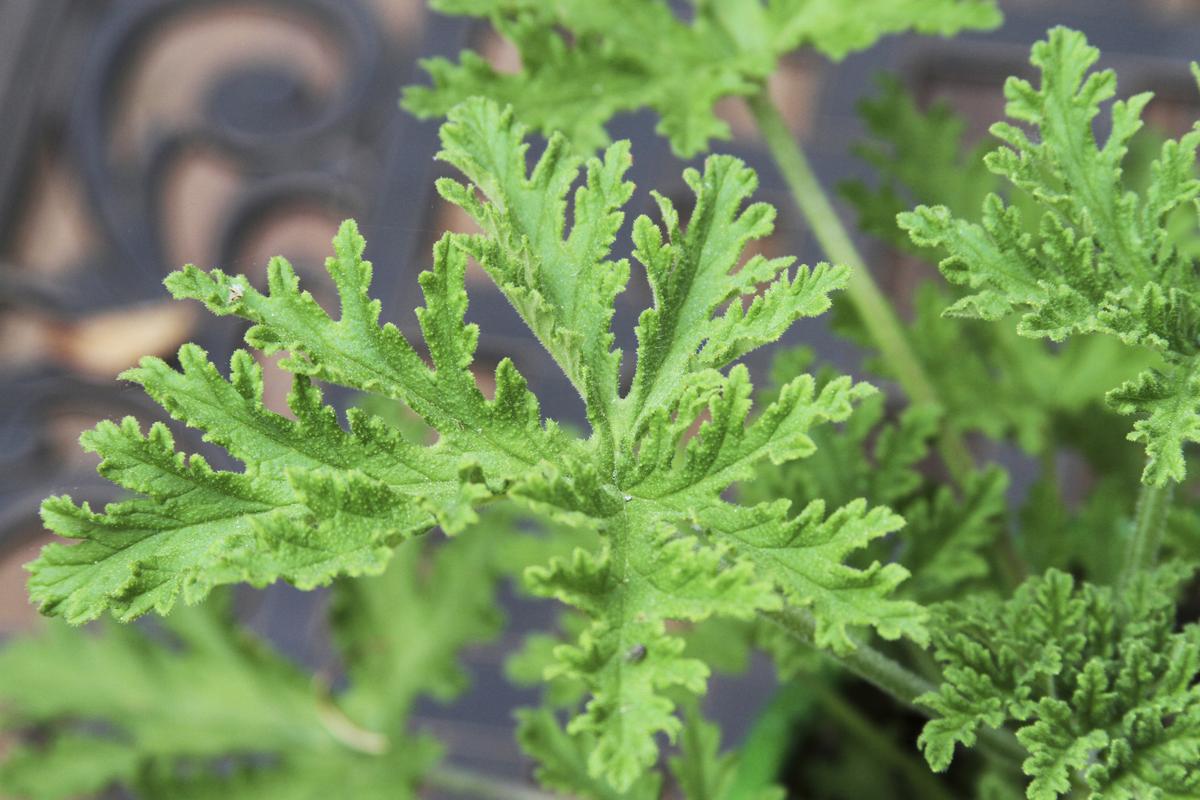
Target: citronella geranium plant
696	518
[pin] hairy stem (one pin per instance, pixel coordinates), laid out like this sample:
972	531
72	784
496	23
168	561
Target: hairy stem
874	667
1149	520
883	748
873	308
461	781
893	678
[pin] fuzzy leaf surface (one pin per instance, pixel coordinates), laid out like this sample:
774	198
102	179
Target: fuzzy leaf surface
649	483
1099	682
313	501
946	534
989	378
1103	257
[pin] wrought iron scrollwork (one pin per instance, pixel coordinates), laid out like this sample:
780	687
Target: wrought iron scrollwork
295	150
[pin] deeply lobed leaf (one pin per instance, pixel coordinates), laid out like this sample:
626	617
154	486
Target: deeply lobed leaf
945	536
1101	685
315	500
1103	258
209	711
988	378
585	62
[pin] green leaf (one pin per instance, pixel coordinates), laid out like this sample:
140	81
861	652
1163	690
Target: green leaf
947	537
1169	403
918	155
563	288
314	778
503	435
70	766
804	553
1103	257
314	500
584	62
400	634
702	771
1091	539
205	710
1099	681
153	708
988	378
649	483
864	457
945	533
529	666
562	760
996	785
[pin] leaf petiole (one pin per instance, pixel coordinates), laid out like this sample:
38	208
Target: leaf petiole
1149	520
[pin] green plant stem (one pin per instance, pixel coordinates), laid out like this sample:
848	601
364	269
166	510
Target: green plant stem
866	662
894	679
455	779
883	748
873	308
1149	520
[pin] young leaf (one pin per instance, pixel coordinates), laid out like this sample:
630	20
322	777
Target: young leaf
945	535
316	501
703	772
1101	684
584	62
562	760
1103	258
400	635
989	379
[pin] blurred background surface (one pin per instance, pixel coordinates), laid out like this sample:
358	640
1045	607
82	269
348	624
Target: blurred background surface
138	136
